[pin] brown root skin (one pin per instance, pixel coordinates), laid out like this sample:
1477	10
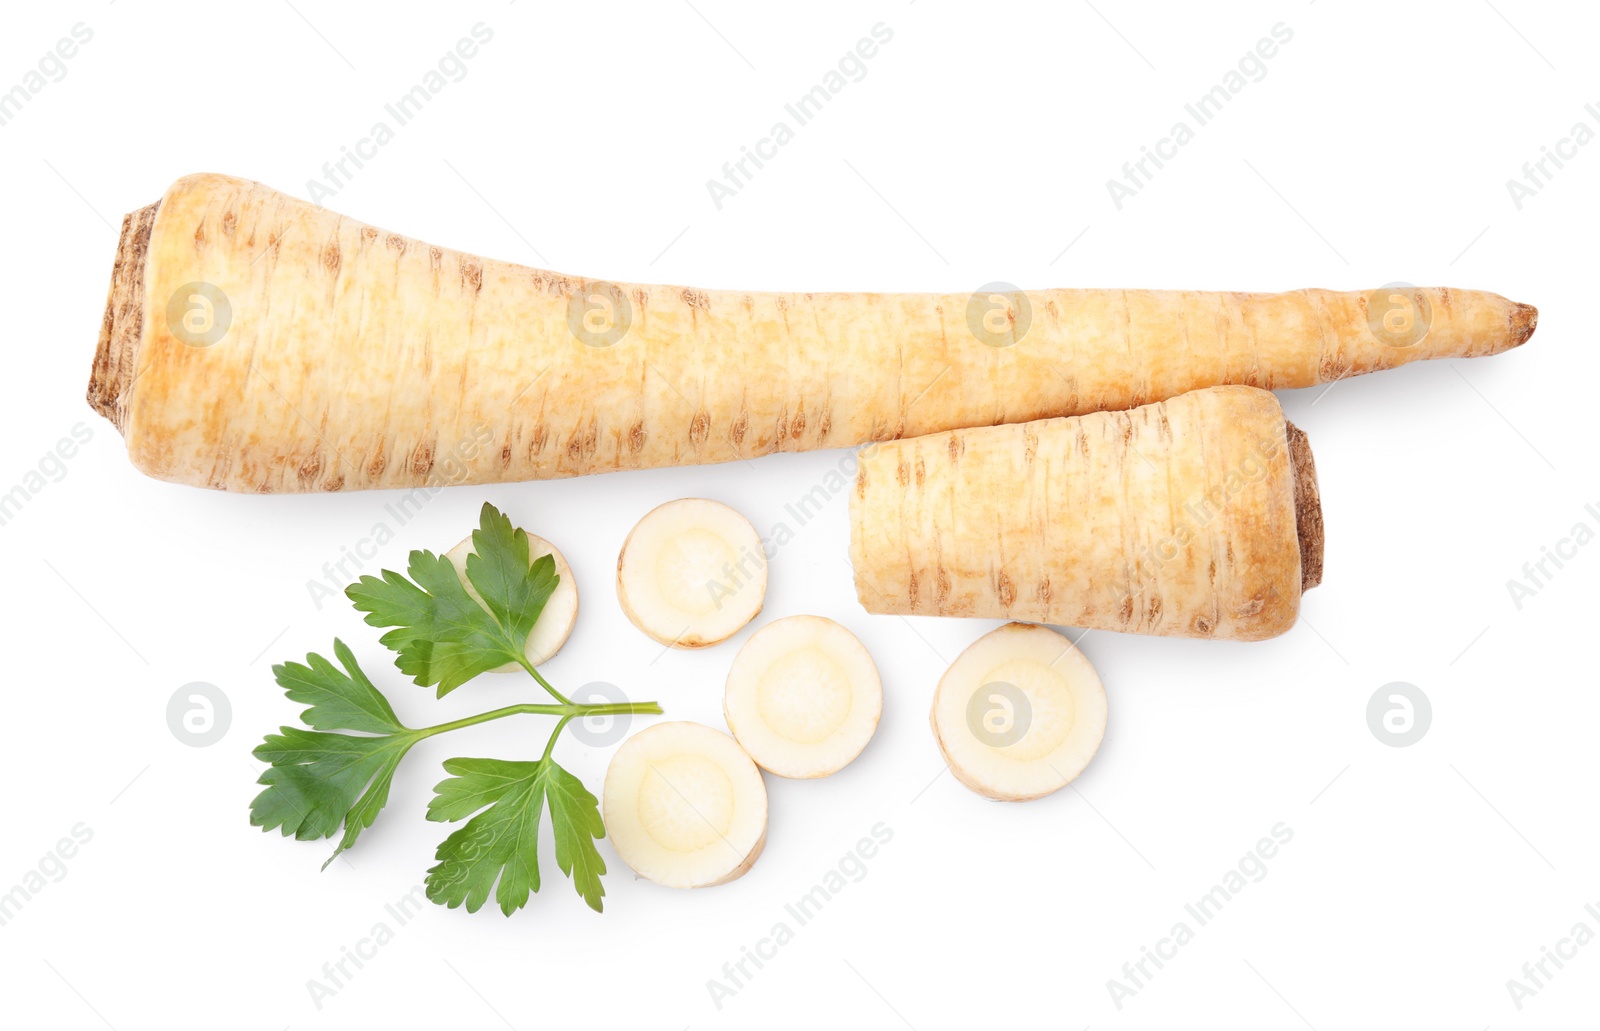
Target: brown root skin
113	375
749	861
1307	506
1524	320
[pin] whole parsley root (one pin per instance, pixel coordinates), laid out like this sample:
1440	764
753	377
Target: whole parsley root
354	358
1195	517
335	771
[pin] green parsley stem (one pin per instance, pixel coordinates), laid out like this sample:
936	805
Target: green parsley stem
567	711
549	746
563	699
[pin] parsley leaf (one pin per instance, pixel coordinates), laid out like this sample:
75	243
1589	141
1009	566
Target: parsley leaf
319	780
339	701
501	842
446	627
442	635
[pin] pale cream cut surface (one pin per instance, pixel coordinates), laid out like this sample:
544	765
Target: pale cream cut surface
1181	518
1040	713
560	615
684	806
691	573
803	697
357	358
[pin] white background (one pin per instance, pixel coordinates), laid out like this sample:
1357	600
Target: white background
977	148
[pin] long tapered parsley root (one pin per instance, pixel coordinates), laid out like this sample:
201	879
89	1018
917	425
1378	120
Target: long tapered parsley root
803	697
258	343
473	610
1194	517
685	806
1019	714
691	573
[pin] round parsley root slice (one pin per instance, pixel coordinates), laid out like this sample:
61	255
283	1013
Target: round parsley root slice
803	697
691	573
1019	714
554	625
684	806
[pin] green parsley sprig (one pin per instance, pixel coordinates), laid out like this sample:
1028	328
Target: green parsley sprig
337	773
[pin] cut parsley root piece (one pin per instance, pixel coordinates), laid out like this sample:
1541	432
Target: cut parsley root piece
691	573
556	619
803	697
684	806
1019	714
1198	516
